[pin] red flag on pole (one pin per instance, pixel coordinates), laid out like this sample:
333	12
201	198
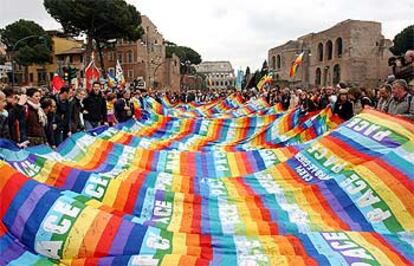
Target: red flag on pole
91	74
57	83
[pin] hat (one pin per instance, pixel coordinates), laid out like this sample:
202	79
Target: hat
401	82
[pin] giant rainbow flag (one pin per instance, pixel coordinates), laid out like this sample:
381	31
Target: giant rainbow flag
228	183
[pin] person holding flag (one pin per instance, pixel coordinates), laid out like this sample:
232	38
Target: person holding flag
91	74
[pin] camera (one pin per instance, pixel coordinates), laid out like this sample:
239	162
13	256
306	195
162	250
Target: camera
396	61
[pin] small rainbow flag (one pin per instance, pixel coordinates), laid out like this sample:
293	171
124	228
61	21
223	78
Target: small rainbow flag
296	64
266	79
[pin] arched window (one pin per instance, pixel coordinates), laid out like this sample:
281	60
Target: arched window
336	74
277	76
320	52
273	62
130	56
278	61
326	76
328	50
318	75
338	47
120	57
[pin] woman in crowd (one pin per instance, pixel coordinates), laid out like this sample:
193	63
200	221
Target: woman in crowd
343	107
305	102
285	98
36	118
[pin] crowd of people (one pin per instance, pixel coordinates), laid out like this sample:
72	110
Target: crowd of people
393	97
34	116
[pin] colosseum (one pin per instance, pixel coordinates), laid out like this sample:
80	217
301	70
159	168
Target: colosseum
352	51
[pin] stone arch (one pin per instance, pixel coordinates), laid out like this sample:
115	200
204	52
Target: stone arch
320	52
318	76
338	47
130	57
278	61
328	50
273	64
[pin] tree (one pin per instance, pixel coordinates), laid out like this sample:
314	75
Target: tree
100	20
265	68
245	78
33	50
186	54
403	41
256	78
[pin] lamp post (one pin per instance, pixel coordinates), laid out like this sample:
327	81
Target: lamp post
14	47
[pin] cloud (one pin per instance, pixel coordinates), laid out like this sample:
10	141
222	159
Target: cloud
241	31
13	10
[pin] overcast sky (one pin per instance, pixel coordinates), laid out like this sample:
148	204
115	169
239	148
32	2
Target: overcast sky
241	31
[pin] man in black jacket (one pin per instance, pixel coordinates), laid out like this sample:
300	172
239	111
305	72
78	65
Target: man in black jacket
94	108
16	111
63	115
77	122
124	109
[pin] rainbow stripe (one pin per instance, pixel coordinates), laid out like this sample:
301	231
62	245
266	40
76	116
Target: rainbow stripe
325	193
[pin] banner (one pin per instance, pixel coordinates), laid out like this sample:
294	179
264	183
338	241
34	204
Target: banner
329	195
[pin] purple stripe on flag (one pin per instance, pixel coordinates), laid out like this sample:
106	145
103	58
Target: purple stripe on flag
339	210
13	252
26	209
121	238
71	179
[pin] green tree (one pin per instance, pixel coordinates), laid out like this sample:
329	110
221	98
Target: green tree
186	54
264	71
100	20
265	68
403	41
36	49
245	78
256	78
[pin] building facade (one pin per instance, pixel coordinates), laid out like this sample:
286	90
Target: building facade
219	74
65	52
145	59
352	51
